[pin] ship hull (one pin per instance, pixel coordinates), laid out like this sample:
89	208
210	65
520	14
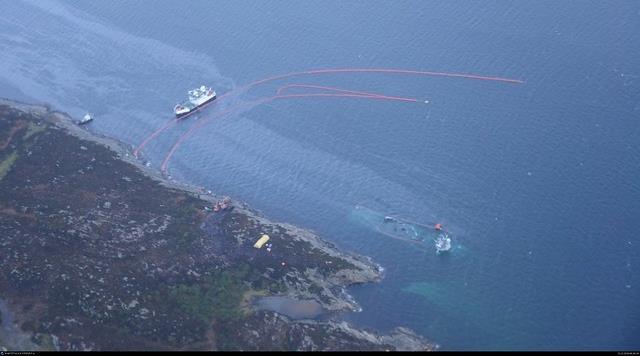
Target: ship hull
196	108
400	229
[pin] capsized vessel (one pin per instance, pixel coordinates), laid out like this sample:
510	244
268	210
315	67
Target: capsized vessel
402	229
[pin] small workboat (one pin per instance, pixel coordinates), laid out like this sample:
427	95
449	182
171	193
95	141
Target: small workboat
85	119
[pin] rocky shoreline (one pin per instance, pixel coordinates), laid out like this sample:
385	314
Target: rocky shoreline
99	244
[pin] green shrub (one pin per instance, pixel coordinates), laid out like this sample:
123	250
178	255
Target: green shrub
217	297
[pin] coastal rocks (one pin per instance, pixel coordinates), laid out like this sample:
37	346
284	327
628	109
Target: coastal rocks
116	250
274	332
400	339
321	274
406	340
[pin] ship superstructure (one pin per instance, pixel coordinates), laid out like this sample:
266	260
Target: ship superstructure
198	98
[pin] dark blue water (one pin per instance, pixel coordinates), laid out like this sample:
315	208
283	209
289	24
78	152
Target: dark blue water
538	183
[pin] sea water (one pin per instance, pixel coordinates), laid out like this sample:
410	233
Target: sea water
536	182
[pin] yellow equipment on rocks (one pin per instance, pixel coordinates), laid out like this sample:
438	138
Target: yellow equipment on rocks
261	241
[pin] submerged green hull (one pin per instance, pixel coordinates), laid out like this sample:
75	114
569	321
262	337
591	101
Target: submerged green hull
397	228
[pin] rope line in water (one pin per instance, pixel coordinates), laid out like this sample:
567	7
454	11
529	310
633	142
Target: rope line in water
339	90
370	96
335	70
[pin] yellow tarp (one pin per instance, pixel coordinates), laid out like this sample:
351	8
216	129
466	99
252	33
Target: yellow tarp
261	241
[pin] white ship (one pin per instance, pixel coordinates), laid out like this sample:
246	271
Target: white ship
198	98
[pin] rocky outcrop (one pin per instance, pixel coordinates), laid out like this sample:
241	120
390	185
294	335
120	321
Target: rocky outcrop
98	244
277	333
